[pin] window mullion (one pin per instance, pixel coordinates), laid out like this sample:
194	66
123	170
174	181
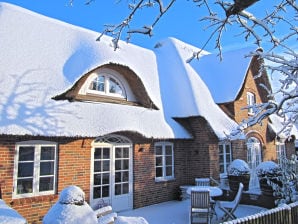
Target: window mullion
107	84
36	171
164	161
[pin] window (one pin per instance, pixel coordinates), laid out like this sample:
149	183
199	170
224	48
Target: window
280	151
164	161
106	84
251	100
254	153
225	157
35	168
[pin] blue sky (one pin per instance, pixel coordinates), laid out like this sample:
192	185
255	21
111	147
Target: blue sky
181	22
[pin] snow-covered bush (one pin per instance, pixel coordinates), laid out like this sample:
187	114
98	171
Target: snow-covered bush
281	178
238	167
71	208
268	169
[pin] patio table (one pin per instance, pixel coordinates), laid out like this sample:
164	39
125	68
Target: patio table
214	191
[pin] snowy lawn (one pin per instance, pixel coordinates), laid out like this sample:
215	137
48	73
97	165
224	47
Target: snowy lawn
177	212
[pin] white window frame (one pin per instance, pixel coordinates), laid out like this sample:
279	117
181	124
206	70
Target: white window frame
227	157
280	152
251	100
36	165
163	145
106	91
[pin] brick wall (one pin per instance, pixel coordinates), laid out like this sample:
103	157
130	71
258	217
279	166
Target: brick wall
74	169
197	157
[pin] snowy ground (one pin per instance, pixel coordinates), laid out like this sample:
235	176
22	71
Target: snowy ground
177	212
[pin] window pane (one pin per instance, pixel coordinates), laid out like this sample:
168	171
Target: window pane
105	191
47	168
158	161
106	166
115	87
47	153
117	177
125	164
118	165
168	150
158	150
228	149
221	158
118	153
97	192
125	152
26	153
125	188
105	178
25	169
106	153
169	171
125	176
98	84
97	153
24	186
46	183
168	160
220	148
97	166
117	189
221	169
97	179
158	172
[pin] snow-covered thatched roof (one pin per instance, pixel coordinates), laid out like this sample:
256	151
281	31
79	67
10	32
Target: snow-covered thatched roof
225	77
43	57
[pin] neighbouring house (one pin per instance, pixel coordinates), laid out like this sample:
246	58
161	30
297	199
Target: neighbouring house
236	83
128	126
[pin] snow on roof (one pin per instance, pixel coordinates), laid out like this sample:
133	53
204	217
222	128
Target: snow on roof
176	75
45	57
224	78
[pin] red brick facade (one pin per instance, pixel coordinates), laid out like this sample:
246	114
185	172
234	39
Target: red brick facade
191	159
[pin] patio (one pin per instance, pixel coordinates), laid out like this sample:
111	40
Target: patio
177	212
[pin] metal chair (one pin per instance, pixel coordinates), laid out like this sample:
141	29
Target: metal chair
200	206
229	207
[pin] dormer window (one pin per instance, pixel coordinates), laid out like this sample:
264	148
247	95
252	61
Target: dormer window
109	83
106	84
251	100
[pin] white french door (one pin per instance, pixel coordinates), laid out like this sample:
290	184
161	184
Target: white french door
111	176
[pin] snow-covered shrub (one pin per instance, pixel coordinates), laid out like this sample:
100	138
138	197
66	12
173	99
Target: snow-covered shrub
238	167
71	208
281	178
268	169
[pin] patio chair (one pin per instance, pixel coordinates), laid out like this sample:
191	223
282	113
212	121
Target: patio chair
229	207
200	206
202	181
207	182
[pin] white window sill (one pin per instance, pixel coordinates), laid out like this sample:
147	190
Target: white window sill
164	179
